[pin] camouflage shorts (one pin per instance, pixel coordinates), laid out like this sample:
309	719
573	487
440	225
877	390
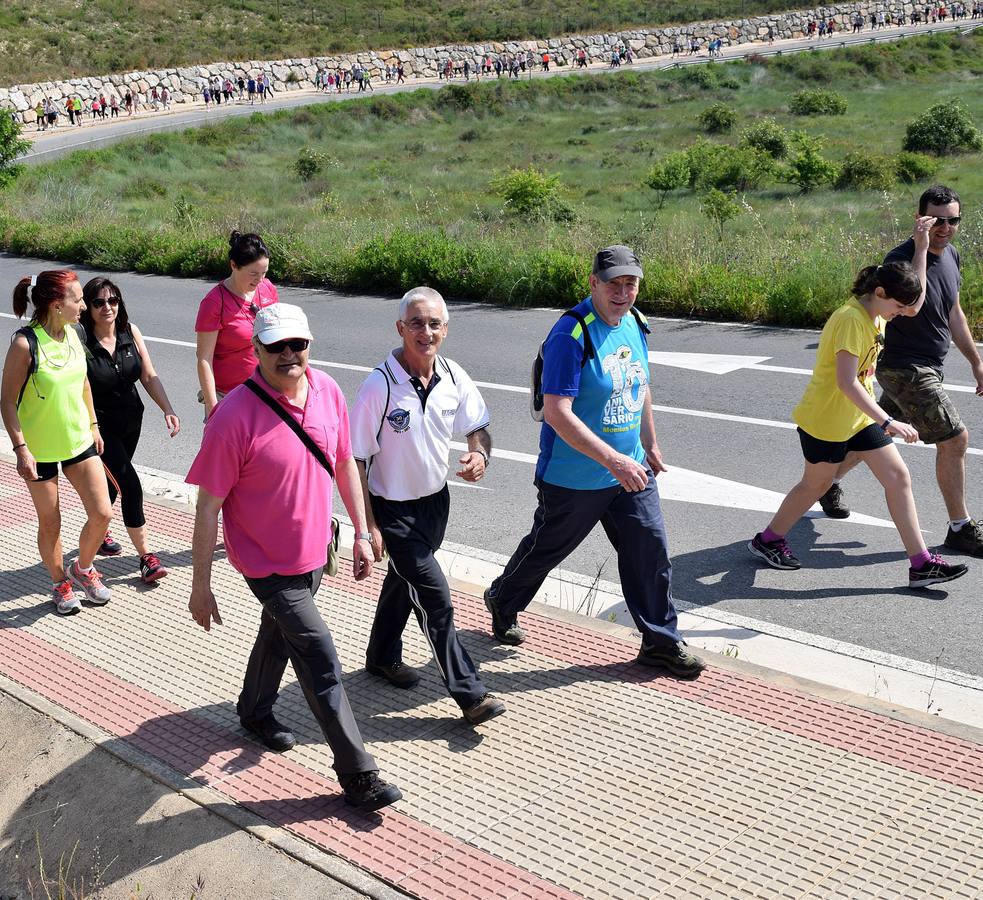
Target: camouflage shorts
915	395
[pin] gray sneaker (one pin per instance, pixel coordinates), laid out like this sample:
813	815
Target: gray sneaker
67	600
90	584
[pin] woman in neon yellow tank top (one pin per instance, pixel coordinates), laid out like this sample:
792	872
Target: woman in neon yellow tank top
48	413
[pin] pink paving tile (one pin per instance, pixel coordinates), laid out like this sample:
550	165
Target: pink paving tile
391	846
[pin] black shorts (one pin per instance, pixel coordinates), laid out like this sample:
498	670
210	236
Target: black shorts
873	437
49	470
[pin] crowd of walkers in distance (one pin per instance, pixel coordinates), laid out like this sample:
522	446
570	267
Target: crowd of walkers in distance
358	78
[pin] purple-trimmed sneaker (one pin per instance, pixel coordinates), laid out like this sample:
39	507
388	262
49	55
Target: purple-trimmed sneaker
935	571
777	554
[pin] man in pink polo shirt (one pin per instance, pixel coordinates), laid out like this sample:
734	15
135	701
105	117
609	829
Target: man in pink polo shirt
275	498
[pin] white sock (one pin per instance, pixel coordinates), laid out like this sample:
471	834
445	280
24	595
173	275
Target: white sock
956	524
82	571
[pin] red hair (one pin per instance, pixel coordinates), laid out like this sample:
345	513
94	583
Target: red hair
48	287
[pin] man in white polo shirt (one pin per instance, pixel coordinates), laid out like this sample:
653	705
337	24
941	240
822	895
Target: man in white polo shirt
402	422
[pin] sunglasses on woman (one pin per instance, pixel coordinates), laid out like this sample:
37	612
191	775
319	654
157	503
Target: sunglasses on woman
99	302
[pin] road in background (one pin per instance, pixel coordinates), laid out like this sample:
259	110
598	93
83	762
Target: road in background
96	133
725	434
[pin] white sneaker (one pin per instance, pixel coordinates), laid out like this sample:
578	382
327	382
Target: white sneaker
67	600
90	583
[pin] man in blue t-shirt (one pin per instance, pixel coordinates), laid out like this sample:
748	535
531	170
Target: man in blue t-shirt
598	461
910	371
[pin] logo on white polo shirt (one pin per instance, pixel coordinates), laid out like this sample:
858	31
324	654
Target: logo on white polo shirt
399	419
447	413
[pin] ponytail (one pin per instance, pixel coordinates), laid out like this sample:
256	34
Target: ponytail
897	279
41	292
22	297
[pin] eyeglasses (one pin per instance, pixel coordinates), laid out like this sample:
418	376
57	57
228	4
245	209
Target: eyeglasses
99	302
421	324
947	220
298	345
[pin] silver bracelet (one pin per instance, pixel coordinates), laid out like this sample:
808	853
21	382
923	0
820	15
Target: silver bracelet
364	536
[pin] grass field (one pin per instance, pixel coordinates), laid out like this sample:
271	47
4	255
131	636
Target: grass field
402	193
66	38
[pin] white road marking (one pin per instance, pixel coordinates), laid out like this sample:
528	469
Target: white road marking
725	364
687	486
712	363
677	410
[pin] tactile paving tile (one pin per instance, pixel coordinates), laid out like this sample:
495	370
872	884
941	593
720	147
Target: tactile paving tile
602	780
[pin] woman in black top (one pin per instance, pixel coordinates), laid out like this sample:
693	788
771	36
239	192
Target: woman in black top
118	360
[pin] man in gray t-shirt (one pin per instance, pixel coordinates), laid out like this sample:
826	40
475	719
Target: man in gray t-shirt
910	370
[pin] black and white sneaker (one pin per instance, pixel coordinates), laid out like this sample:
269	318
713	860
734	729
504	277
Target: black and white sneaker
935	571
777	554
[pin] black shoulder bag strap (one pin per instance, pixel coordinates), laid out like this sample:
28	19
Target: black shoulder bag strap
292	422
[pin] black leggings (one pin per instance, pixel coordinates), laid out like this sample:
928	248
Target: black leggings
117	455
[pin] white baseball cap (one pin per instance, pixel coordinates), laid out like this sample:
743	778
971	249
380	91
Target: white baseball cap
279	322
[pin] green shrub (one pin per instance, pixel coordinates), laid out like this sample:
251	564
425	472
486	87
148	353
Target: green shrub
669	175
472	134
818	102
913	167
719	207
862	171
309	163
700	76
725	167
943	129
769	137
529	192
807	167
12	145
718	118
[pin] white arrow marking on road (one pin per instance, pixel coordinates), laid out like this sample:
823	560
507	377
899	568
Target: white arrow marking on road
713	363
724	364
687	486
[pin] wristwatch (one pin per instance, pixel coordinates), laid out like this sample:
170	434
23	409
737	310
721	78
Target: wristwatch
364	536
484	455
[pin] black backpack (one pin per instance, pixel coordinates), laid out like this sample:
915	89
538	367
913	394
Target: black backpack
32	344
536	389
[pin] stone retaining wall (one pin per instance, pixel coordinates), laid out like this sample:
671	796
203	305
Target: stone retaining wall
185	84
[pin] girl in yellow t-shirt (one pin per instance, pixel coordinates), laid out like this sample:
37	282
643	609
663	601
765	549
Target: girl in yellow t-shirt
838	414
47	409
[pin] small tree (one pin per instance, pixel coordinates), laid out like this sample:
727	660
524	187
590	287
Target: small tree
725	167
719	207
669	175
12	145
529	192
309	163
718	118
943	129
807	167
768	137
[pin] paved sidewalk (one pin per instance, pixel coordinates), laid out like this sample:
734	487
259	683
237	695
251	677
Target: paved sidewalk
603	780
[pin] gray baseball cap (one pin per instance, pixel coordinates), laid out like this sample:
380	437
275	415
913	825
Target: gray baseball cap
614	261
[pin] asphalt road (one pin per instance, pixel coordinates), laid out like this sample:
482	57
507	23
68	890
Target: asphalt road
725	435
